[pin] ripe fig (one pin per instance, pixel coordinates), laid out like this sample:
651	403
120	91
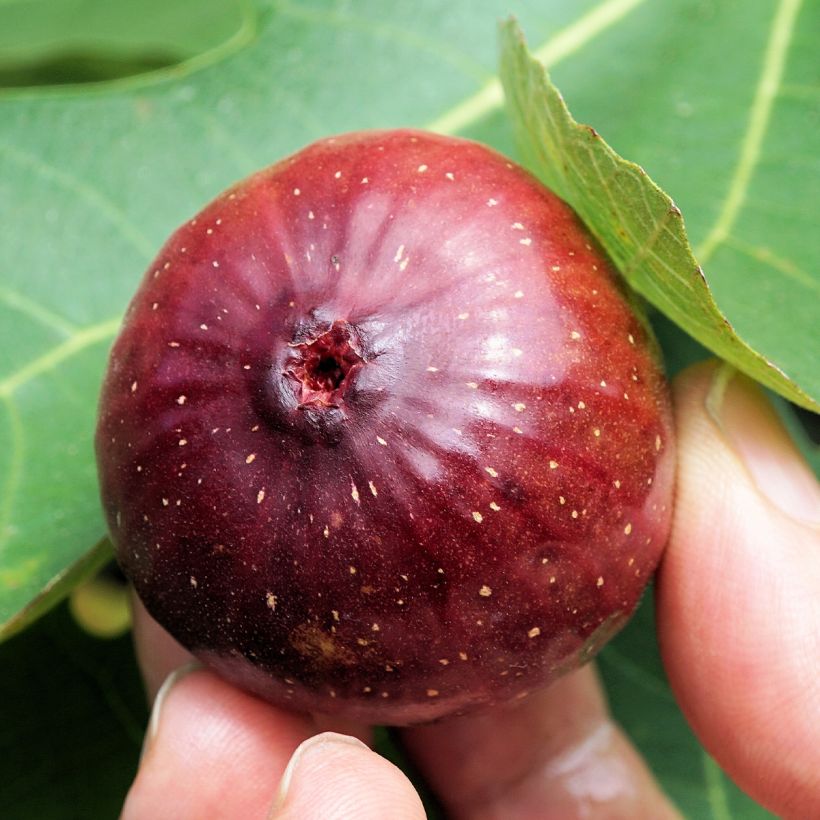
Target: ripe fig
381	434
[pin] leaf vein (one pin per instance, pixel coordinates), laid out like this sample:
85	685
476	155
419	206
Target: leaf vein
771	76
767	257
88	193
28	307
82	339
561	45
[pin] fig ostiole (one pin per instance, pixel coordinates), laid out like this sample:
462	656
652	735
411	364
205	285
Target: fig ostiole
381	434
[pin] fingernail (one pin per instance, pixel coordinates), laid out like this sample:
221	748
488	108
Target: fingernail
159	702
749	423
313	745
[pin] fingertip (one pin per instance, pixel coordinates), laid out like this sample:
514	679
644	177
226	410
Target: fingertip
212	751
160	699
737	587
742	413
337	777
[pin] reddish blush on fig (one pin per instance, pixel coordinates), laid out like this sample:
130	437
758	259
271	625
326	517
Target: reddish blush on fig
382	435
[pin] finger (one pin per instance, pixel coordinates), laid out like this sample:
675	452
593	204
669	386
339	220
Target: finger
738	591
557	755
211	751
335	777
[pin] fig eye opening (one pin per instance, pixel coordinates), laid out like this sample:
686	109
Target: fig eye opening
329	372
324	366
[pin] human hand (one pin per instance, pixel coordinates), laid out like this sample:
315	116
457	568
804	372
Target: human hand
739	627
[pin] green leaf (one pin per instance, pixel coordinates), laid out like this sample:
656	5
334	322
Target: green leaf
73	720
85	567
643	231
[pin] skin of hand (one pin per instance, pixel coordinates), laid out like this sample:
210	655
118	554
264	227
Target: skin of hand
738	613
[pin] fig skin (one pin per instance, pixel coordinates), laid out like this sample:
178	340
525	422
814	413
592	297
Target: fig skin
382	436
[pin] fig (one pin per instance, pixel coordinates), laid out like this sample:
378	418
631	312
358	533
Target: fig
382	434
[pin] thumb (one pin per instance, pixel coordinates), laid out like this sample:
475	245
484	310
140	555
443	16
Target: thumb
738	591
337	777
